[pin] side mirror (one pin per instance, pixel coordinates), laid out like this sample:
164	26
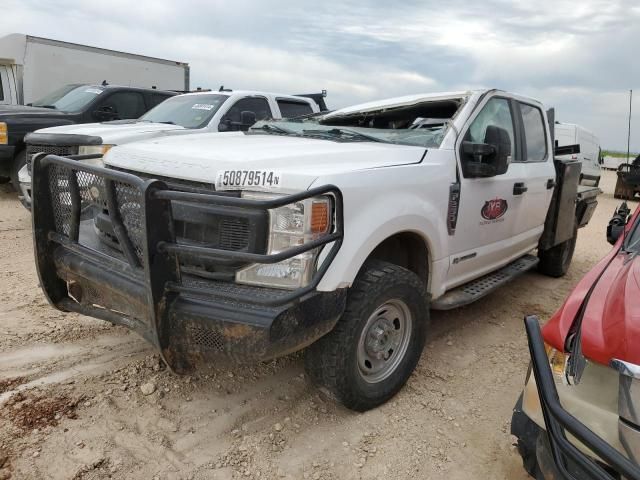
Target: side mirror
490	158
247	119
618	223
105	113
225	125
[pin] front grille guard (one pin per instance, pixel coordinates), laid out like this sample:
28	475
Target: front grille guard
558	420
153	256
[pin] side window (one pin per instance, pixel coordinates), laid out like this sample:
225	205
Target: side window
497	113
291	108
534	133
156	99
124	105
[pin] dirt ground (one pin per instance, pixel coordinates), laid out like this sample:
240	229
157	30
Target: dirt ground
81	399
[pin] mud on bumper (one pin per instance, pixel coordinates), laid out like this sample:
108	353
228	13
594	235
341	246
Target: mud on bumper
557	457
139	278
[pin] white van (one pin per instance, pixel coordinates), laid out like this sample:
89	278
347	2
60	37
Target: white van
570	134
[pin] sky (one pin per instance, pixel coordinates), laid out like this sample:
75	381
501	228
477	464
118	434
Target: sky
580	57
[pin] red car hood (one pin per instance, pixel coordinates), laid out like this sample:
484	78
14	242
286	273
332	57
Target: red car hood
611	321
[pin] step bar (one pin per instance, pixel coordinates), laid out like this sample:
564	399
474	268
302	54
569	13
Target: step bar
476	289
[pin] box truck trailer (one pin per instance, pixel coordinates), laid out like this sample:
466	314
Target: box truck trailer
32	67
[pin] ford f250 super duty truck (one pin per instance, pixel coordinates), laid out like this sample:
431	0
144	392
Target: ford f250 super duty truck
222	111
336	232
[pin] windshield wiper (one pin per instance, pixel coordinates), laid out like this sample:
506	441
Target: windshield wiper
168	122
345	133
274	129
53	107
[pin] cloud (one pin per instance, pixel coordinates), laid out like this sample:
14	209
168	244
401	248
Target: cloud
579	57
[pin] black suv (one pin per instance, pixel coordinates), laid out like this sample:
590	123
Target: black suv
70	104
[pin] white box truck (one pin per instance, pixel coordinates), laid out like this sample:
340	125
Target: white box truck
589	156
32	67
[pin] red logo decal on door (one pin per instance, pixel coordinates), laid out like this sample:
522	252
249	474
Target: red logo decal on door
494	209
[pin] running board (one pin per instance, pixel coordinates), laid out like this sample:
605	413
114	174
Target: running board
476	289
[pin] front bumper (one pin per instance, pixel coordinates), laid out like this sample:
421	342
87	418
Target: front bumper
144	285
557	456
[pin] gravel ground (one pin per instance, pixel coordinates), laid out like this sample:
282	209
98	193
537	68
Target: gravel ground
81	399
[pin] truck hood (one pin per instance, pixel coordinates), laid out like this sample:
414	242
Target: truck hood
199	157
117	132
8	111
611	322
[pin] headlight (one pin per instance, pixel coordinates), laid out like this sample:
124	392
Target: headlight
4	136
558	362
290	226
93	149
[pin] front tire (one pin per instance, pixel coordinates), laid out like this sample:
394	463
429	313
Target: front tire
376	345
19	161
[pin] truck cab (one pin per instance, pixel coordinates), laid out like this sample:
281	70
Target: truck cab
337	232
222	111
8	90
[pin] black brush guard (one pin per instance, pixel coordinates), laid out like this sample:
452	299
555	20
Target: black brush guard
143	287
567	457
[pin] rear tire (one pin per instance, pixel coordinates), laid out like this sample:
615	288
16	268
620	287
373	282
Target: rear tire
555	262
19	161
377	343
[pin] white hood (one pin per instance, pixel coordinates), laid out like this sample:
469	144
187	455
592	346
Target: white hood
199	157
118	132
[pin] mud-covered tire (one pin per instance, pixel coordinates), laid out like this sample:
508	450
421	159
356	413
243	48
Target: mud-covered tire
555	262
19	161
335	362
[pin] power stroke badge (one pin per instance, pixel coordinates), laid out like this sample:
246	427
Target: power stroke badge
493	211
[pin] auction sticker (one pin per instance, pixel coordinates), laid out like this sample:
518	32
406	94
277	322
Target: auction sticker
239	179
202	106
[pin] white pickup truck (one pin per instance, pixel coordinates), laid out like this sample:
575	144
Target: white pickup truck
222	111
336	232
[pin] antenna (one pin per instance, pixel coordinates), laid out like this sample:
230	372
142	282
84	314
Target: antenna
629	131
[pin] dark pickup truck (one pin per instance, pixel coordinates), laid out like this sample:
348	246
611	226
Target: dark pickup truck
70	104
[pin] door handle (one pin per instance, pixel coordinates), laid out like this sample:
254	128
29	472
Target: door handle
551	183
519	188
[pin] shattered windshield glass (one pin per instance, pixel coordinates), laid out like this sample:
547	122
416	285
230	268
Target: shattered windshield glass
423	124
423	135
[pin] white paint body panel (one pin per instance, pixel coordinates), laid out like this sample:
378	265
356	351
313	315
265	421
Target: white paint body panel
387	189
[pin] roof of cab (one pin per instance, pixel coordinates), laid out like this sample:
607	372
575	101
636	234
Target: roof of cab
247	93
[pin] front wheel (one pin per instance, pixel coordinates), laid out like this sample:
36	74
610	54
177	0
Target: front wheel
377	343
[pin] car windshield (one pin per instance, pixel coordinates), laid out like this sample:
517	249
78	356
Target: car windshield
188	111
422	124
70	98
